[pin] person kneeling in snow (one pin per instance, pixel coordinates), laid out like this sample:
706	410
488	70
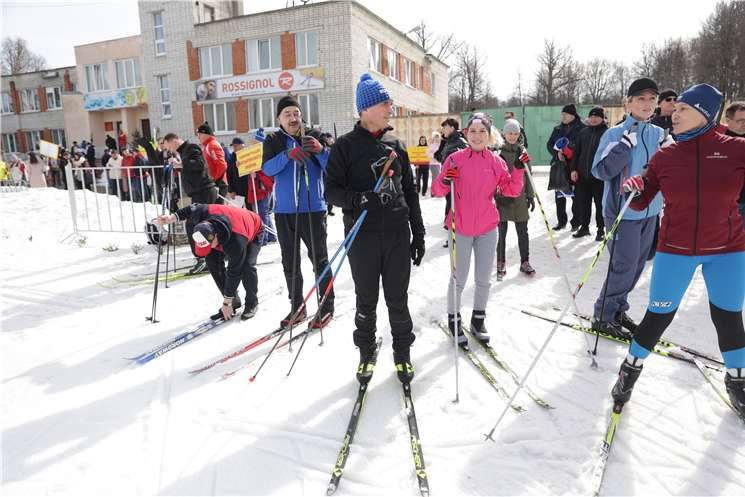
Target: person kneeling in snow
225	231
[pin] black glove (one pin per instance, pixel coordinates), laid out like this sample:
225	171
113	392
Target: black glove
531	204
298	155
417	248
367	200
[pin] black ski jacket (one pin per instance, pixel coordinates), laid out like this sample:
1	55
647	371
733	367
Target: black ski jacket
585	147
195	176
455	141
354	166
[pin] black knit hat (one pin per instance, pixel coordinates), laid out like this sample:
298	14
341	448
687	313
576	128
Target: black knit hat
641	85
286	101
205	128
597	111
569	109
665	94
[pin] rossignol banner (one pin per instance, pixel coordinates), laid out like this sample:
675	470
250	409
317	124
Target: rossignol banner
261	84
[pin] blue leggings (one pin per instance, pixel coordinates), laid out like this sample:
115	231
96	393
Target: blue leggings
724	276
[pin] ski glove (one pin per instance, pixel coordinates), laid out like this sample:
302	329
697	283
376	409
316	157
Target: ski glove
367	200
531	204
451	173
634	186
629	138
417	248
666	141
524	157
298	155
519	165
311	145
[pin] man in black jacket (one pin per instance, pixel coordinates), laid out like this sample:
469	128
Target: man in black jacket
110	143
570	126
225	231
735	118
587	187
663	116
382	247
453	140
196	182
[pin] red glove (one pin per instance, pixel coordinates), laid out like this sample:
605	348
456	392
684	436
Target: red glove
311	145
451	173
298	155
524	157
635	182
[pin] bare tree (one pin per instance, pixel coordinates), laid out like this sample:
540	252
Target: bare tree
17	58
556	77
597	81
622	75
442	46
469	87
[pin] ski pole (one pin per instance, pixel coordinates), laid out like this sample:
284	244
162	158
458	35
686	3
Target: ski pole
563	313
561	264
157	264
454	282
351	233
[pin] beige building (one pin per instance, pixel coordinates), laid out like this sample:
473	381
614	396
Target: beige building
112	96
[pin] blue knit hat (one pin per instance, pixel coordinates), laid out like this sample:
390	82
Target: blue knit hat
704	98
370	92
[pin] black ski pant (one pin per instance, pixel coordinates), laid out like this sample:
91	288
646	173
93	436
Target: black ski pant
587	191
250	279
286	230
422	179
206	196
561	210
523	242
373	256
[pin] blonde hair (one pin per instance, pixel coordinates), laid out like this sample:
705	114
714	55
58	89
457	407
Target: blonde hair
495	138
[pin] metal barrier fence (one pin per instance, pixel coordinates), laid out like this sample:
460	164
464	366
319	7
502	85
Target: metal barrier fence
10	185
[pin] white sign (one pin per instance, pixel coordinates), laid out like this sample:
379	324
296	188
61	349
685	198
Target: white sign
260	84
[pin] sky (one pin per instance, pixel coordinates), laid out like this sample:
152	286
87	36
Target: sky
511	38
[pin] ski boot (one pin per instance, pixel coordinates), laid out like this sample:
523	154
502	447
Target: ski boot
404	369
367	363
627	376
462	340
736	389
477	326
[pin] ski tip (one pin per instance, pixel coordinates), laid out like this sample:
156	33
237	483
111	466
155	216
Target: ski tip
331	489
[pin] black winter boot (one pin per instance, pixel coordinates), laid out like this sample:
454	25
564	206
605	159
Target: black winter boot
736	389
462	340
627	376
477	326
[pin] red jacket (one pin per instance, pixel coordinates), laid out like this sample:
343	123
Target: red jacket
263	184
215	160
700	180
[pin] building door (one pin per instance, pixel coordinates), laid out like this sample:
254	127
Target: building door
146	131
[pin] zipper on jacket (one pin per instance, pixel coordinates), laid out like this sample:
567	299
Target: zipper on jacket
698	194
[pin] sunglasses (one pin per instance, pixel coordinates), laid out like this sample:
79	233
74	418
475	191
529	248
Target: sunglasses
670	99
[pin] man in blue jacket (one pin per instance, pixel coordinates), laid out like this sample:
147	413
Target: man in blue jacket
624	150
298	163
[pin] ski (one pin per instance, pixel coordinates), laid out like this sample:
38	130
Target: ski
354	420
500	362
245	349
666	353
665	343
482	369
161	278
191	334
416	444
702	367
610	433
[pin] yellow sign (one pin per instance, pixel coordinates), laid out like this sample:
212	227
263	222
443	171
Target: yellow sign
249	159
418	155
49	149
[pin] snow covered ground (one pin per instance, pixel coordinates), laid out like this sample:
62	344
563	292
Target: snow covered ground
78	419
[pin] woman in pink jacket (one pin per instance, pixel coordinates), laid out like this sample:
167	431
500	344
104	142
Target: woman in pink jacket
474	174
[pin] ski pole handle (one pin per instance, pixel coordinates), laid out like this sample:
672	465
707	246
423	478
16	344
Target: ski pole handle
383	173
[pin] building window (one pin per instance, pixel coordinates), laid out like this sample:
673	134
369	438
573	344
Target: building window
373	51
33	139
7	103
309	108
165	95
264	54
261	113
216	61
410	112
396	111
128	73
393	65
160	36
29	101
421	77
307	49
222	116
97	77
409	72
209	14
54	97
10	143
59	137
